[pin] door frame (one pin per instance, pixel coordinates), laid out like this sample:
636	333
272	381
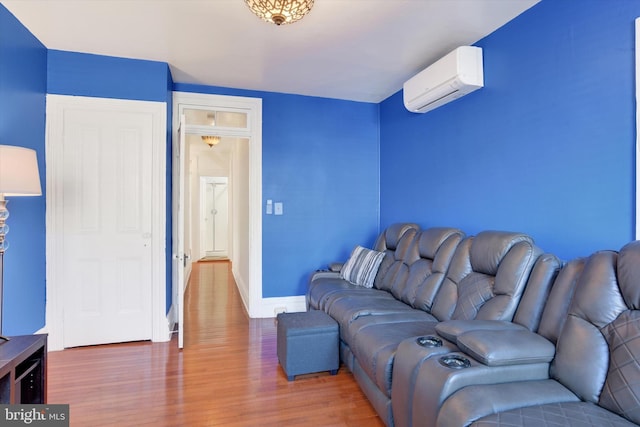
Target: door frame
55	111
204	180
251	293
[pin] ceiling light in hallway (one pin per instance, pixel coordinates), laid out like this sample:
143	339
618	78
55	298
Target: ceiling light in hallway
211	140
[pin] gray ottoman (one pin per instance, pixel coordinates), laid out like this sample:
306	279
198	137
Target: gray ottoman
307	342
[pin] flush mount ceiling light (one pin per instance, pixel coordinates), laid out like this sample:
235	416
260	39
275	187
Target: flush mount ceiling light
280	12
211	140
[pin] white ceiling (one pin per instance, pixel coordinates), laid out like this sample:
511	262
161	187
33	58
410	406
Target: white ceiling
361	50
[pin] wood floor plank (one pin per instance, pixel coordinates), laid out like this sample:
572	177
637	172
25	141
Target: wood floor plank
227	375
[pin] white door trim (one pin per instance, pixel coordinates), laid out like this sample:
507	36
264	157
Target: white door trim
252	301
56	106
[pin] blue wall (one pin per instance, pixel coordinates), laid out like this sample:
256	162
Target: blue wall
320	158
23	79
546	147
81	74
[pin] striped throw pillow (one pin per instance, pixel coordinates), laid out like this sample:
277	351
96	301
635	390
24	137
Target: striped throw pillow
362	267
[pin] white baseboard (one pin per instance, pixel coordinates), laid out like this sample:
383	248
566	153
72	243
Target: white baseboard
270	307
242	287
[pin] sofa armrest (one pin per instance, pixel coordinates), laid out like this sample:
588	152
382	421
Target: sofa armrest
336	266
437	379
506	347
323	274
452	329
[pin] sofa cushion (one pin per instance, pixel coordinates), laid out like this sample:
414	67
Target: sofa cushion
395	241
435	247
491	247
361	268
487	277
395	266
556	307
375	347
327	286
346	307
536	293
349	332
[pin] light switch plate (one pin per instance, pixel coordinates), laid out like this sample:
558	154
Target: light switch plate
278	208
269	207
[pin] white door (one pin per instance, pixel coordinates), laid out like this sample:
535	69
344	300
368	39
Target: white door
221	218
208	218
179	255
107	226
214	227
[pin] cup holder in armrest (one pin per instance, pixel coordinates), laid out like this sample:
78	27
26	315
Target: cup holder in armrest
454	361
429	341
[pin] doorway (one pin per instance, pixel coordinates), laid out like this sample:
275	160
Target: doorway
214	217
210	122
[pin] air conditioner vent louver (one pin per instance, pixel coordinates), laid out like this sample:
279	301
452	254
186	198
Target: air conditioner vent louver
453	76
450	96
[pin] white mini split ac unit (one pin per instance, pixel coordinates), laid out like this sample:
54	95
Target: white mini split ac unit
451	77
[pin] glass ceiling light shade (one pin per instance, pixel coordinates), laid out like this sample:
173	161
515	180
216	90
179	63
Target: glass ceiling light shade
211	140
280	12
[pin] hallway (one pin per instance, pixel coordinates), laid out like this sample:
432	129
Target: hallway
227	374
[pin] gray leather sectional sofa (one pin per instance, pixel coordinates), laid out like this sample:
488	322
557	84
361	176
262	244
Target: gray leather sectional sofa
488	330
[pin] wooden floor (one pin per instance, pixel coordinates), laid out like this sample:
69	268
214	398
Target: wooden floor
227	374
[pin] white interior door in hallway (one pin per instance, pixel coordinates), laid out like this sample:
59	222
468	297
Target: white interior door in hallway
214	216
106	210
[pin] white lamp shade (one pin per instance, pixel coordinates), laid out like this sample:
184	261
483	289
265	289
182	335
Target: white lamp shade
19	172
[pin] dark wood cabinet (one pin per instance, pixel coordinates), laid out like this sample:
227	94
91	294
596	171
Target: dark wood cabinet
23	370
